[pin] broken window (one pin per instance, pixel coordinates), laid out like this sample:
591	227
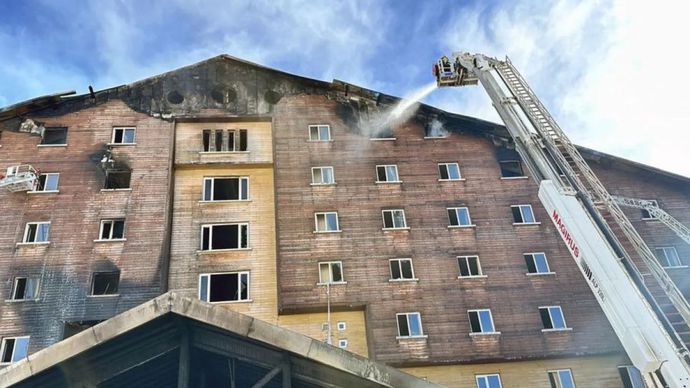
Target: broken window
105	283
226	189
645	214
522	214
449	171
54	136
409	325
123	135
401	269
511	168
319	132
394	219
224	287
112	229
117	179
481	321
469	266
331	272
459	216
387	173
552	317
536	263
76	327
488	381
224	236
36	232
562	378
25	288
221	140
668	257
14	349
48	182
326	222
322	176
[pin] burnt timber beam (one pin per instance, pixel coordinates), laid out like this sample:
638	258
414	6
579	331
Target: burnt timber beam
268	377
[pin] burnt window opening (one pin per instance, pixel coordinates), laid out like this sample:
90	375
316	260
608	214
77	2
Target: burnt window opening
226	189
76	327
54	136
117	179
25	288
220	140
511	168
224	287
105	283
228	236
112	229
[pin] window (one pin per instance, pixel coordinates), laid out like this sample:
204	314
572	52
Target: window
117	179
14	349
105	283
449	171
562	378
342	325
226	189
322	176
631	376
522	214
342	343
25	288
54	136
536	263
645	214
401	269
409	325
123	135
36	232
224	236
331	272
511	168
112	230
668	257
481	321
220	140
459	216
387	173
224	287
326	222
394	219
488	381
552	318
48	182
469	266
319	132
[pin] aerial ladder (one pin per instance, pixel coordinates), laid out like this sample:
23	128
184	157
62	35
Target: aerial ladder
656	213
645	308
22	177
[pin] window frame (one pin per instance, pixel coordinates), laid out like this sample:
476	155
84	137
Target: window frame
239	283
522	215
666	257
449	179
552	328
330	265
112	222
318	132
3	346
124	130
486	376
108	174
534	263
38	188
385	169
26	233
57	128
407	322
519	162
342	343
93	283
36	284
321	168
325	215
481	325
469	268
242	180
393	227
399	264
633	382
557	373
210	237
457	216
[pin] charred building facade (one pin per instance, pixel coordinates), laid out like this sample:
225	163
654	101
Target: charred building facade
421	244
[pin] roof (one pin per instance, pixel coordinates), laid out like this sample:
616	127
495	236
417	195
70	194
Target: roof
173	337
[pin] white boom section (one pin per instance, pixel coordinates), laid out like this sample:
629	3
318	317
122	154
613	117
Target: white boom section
658	213
648	343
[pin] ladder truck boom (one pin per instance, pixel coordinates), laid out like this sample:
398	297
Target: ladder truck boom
587	218
657	213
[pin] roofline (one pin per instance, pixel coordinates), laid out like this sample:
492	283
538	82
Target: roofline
594	153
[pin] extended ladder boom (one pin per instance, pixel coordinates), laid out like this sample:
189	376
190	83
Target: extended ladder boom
657	213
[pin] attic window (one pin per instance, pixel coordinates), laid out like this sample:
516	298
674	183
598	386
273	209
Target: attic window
54	136
117	179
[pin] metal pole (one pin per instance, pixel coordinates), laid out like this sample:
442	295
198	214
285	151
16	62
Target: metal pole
328	314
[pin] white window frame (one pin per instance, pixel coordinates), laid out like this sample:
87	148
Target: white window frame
342	325
325	217
243	180
651	217
330	265
385	169
565	323
407	321
486	381
557	373
398	262
318	132
392	211
534	261
14	349
481	325
124	131
26	233
459	225
342	343
668	262
466	259
322	183
36	282
239	283
633	383
112	224
47	175
210	237
441	179
522	215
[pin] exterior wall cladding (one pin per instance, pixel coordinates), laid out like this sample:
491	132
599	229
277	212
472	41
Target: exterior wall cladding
223	88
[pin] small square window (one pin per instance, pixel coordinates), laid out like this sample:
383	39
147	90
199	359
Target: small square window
226	189
481	321
459	216
326	222
48	182
522	214
25	288
54	136
331	272
224	236
224	287
342	343
668	257
319	132
552	317
322	176
394	219
409	325
631	376
488	381
36	232
112	230
387	173
123	135
469	266
645	213
105	283
562	378
342	325
14	349
401	269
511	168
449	171
117	179
536	263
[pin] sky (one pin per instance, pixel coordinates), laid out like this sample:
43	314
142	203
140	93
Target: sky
612	73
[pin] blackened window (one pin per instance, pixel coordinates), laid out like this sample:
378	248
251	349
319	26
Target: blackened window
221	140
225	287
54	136
105	283
117	179
225	236
226	189
511	168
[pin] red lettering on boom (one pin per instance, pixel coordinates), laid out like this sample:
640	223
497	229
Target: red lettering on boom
569	241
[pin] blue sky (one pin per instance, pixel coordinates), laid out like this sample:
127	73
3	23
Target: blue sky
605	69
